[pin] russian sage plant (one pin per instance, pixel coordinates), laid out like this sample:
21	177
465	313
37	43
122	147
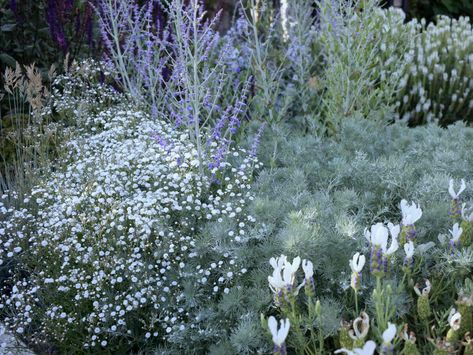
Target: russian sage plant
177	69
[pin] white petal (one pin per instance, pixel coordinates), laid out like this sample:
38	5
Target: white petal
451	191
361	263
368	349
379	235
403	206
409	249
367	235
462	187
308	268
455	321
393	247
394	229
389	334
273	326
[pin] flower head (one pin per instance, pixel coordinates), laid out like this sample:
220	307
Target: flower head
452	192
283	278
279	335
454	319
410	213
389	334
361	326
368	349
308	268
467	217
456	233
357	262
425	291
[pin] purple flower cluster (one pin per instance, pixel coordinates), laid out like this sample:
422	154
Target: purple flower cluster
60	15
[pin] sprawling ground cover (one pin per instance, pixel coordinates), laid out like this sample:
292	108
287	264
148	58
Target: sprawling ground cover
256	192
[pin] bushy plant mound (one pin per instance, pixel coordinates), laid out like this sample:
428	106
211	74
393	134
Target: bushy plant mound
315	199
107	253
421	71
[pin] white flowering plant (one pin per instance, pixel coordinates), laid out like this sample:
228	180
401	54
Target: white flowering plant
110	252
394	276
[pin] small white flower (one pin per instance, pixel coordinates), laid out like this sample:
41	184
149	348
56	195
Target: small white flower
465	216
410	213
452	192
389	333
454	319
279	336
357	262
308	268
409	249
379	235
456	233
368	349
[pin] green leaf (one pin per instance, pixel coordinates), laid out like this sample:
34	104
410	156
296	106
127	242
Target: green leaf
7	59
8	27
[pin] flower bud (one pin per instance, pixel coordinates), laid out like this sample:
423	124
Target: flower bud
467	235
423	304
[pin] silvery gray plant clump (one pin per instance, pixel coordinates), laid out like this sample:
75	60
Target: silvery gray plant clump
315	198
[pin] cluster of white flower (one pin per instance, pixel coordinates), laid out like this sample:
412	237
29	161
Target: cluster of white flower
436	73
83	86
106	249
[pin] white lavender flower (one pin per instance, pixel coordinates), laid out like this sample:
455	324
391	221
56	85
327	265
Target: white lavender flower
456	233
279	335
388	336
356	265
410	213
368	349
